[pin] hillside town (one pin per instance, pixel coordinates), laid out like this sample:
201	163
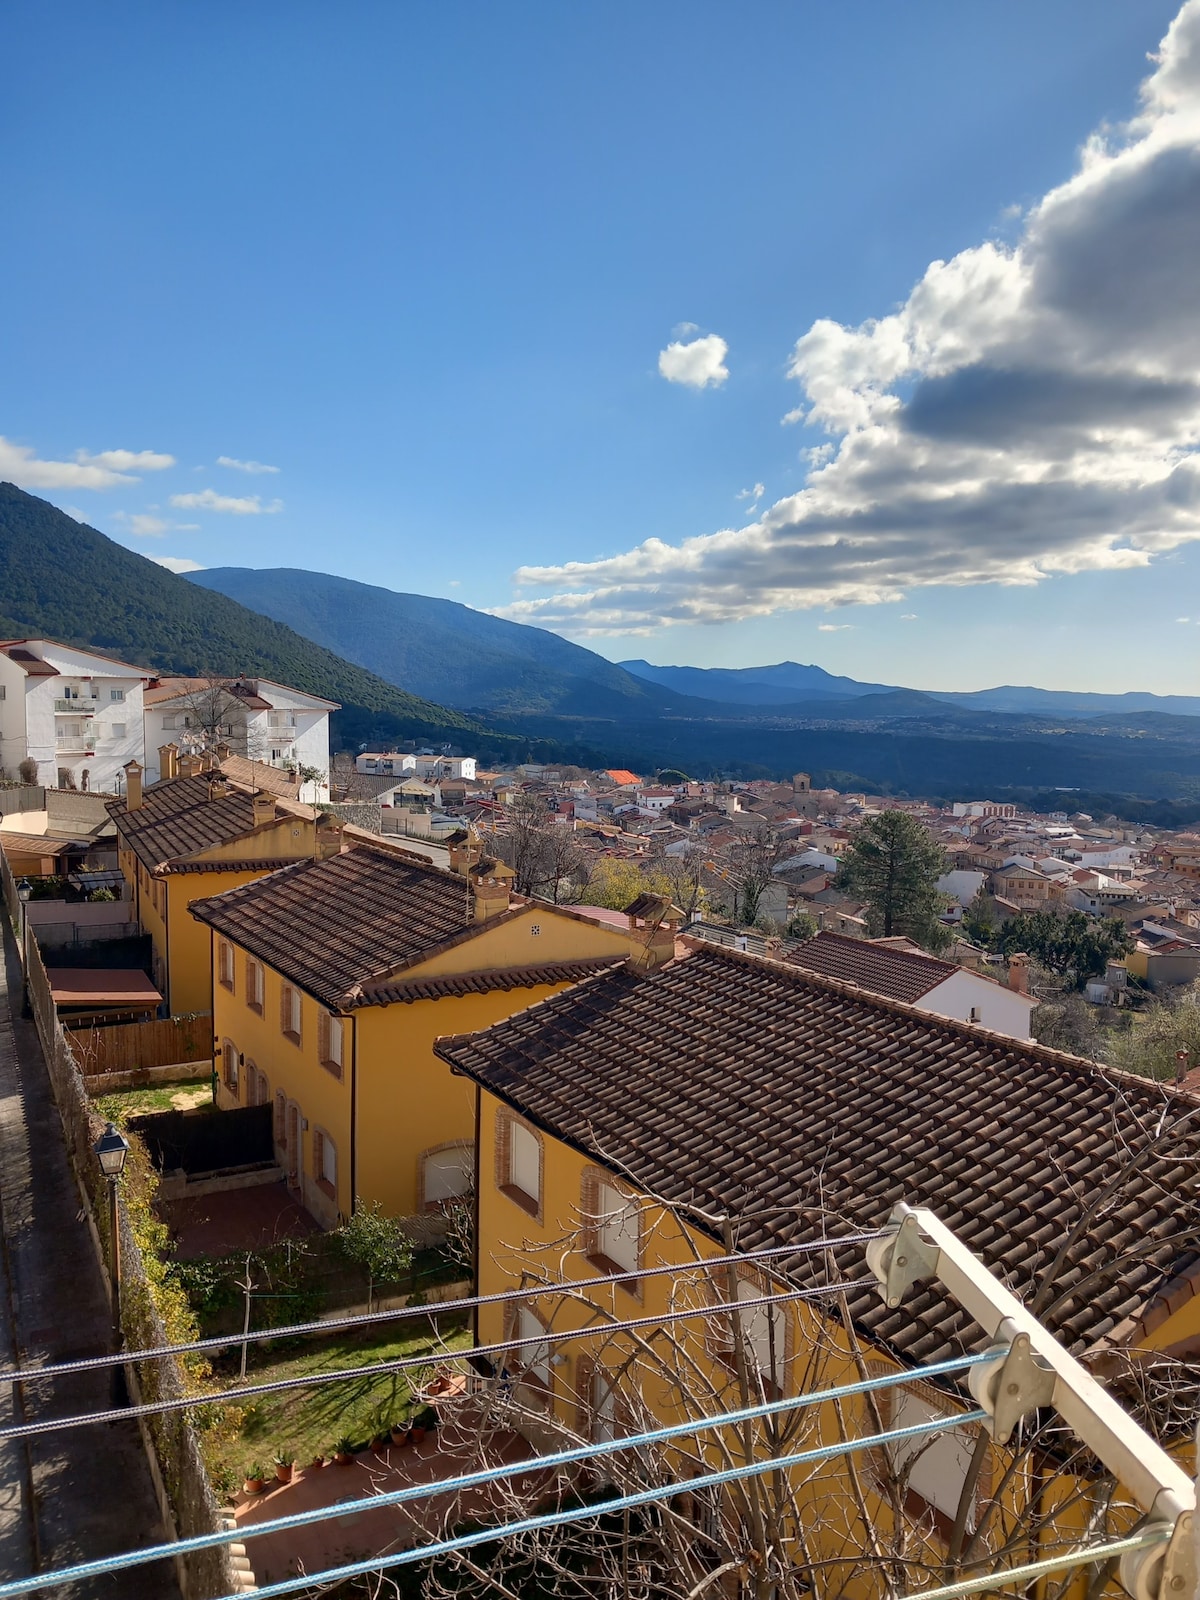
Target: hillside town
381	1030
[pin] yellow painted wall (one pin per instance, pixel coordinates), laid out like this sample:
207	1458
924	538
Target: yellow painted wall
190	975
513	942
323	1099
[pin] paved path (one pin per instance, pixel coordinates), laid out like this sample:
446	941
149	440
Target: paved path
87	1493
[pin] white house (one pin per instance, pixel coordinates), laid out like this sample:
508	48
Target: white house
898	970
429	767
76	714
656	799
255	717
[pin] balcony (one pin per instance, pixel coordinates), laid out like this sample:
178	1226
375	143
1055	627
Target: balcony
75	708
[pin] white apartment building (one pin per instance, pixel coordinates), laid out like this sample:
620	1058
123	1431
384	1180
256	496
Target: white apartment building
76	714
256	718
391	763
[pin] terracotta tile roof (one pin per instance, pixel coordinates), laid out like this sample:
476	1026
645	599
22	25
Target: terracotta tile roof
494	979
261	775
32	844
748	1087
880	967
332	926
178	818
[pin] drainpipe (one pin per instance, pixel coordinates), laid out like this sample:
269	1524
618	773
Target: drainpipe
353	1115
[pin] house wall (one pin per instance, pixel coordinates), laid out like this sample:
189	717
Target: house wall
999	1008
12	716
105	750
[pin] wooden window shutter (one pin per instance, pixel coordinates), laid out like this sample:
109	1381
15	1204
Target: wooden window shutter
280	1119
585	1383
323	1035
503	1148
318	1153
285	1019
589	1208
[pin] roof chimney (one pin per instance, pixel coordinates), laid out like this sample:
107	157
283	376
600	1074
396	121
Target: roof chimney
218	786
328	836
133	786
491	886
168	760
264	807
462	851
1181	1064
1018	973
190	765
653	924
223	751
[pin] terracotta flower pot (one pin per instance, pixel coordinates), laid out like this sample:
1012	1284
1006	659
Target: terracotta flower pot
254	1485
315	1464
284	1471
418	1433
399	1437
344	1458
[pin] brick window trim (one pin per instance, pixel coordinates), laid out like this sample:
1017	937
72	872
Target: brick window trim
879	1466
531	1204
595	1179
291	1034
324	1055
437	1207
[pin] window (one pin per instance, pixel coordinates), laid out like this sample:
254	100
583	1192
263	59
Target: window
519	1162
934	1464
170	723
229	1057
225	963
612	1224
974	1014
764	1332
116	694
447	1173
289	1012
254	984
331	1043
531	1360
118	730
325	1162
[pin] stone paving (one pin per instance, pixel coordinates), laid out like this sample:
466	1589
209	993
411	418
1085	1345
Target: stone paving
87	1493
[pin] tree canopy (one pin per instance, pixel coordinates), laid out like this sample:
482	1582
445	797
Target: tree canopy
1073	946
894	864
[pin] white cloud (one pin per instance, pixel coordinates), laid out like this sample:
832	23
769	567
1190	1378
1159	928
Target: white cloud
177	563
908	616
249	505
1028	410
20	464
756	493
834	627
244	466
698	363
796	414
146	526
127	460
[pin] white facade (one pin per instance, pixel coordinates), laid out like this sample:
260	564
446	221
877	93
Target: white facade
970	997
385	763
269	722
656	800
78	715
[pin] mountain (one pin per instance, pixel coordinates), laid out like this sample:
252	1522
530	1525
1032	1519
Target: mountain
440	648
789	682
783	684
60	579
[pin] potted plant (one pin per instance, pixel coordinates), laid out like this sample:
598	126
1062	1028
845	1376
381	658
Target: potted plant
424	1422
400	1435
343	1452
255	1480
285	1466
315	1464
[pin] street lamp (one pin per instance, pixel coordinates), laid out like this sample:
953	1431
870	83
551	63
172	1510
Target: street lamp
111	1149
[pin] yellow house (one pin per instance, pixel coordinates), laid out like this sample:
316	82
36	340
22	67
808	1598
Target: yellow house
191	836
726	1103
331	981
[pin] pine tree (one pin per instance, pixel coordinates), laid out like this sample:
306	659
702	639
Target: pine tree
894	865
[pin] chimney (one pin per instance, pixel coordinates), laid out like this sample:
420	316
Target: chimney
328	837
491	883
1018	973
168	760
463	851
218	786
133	786
223	752
1181	1064
190	766
264	807
653	924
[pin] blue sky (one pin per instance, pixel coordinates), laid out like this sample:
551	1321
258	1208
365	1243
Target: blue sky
423	261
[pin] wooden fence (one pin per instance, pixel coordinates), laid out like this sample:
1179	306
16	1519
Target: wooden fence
129	1046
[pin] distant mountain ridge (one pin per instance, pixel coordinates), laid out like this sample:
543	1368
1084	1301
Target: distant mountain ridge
60	579
787	682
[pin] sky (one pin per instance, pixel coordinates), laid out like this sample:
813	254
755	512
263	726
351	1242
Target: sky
865	335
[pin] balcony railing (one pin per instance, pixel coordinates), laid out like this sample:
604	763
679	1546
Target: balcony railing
81	743
76	708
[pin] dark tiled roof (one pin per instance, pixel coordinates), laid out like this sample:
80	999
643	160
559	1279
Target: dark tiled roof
805	1107
495	978
257	864
177	818
895	974
332	926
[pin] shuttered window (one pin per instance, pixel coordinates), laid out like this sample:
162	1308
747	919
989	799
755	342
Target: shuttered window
519	1161
325	1162
289	1012
330	1041
254	984
225	963
279	1119
230	1061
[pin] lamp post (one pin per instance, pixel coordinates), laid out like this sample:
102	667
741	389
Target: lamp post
111	1149
25	895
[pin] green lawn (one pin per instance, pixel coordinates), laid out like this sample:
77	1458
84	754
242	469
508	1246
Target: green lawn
305	1423
125	1103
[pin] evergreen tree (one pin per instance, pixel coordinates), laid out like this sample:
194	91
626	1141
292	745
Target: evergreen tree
894	865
